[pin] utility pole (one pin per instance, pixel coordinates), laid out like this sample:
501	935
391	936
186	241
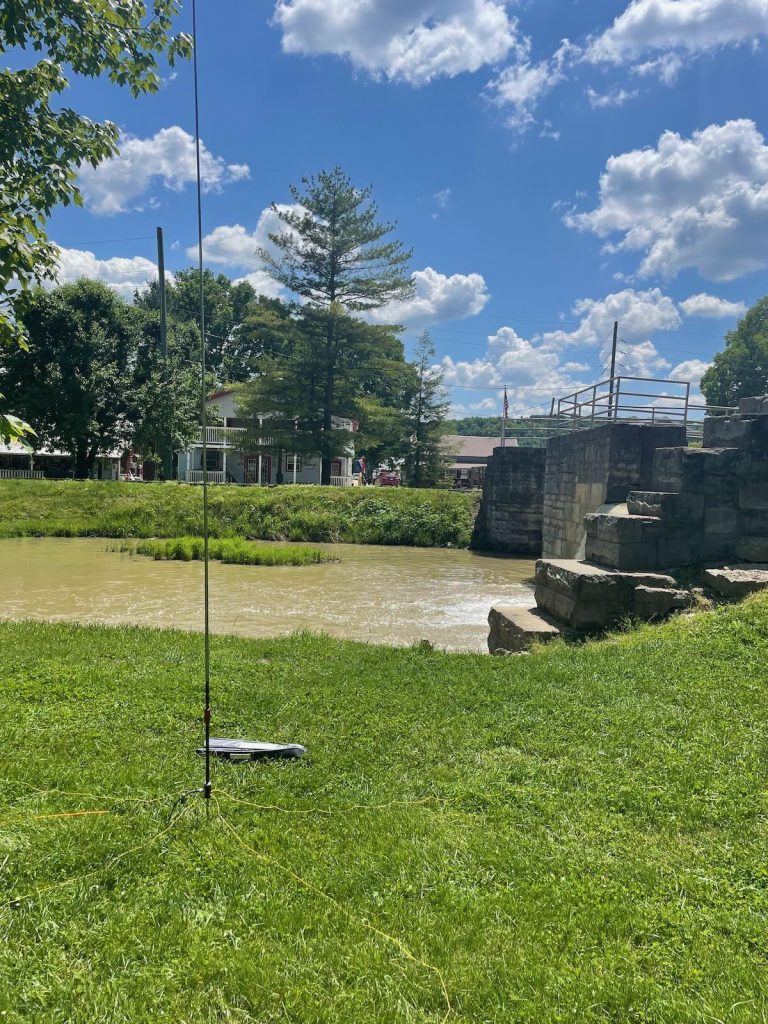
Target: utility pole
611	411
166	454
161	294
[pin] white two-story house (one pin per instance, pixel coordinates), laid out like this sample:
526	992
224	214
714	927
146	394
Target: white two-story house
229	464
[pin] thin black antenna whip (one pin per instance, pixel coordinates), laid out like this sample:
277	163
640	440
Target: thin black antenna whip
204	419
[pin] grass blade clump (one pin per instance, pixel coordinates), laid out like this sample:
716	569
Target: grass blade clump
231	551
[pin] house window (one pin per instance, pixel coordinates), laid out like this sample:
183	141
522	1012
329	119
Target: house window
212	461
289	461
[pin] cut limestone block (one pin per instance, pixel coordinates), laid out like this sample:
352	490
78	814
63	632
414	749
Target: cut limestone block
751	549
622	542
590	597
715	473
737	582
756	405
667	505
656	602
515	629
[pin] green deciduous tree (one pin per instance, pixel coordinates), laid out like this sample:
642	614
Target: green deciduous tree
42	144
427	407
237	320
741	369
333	254
92	381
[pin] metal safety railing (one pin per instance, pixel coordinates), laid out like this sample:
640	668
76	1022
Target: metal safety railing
655	400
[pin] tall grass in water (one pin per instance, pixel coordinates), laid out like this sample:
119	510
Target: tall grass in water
235	552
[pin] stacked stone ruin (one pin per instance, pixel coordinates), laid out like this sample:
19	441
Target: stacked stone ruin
706	509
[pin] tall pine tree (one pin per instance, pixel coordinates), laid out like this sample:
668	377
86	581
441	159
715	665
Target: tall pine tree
427	408
334	256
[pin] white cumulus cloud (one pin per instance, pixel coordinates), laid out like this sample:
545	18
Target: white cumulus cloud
438	297
234	246
690	369
711	307
167	157
638	312
408	40
698	202
616	98
690	26
531	372
523	85
124	274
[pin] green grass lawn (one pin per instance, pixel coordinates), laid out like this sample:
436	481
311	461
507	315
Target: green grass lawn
358	515
232	552
574	836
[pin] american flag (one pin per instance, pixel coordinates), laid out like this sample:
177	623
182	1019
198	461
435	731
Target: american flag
506	405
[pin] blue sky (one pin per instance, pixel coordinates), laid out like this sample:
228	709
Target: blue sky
555	165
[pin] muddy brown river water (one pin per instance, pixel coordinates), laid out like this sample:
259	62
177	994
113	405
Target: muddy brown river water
390	595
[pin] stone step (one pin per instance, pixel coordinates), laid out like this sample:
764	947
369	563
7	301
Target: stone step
668	505
515	629
585	596
623	542
737	581
642	543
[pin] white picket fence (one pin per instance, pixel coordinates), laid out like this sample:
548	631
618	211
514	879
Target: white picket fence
21	474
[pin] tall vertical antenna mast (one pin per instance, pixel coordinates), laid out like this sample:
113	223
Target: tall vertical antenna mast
204	419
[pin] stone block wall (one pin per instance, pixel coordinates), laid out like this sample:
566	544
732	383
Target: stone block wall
590	468
509	519
706	505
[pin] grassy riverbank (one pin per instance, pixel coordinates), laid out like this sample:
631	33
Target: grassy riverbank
577	836
231	552
355	515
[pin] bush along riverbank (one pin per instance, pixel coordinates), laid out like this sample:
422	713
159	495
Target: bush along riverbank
233	552
573	837
353	515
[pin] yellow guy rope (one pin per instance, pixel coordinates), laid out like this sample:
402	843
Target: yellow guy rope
304	884
12	903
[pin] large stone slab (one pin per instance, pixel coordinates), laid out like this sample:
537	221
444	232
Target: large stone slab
656	602
737	582
590	597
515	629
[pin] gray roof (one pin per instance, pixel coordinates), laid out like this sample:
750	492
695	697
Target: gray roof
469	447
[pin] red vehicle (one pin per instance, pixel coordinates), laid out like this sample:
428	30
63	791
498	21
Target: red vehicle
388	478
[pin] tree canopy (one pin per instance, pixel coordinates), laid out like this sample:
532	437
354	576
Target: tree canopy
43	144
93	380
240	324
741	369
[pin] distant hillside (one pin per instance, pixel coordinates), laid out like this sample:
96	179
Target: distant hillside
490	426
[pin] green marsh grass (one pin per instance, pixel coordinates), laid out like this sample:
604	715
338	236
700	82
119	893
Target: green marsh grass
232	551
354	515
573	837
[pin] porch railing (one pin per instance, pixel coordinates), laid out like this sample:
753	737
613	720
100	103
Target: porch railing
21	474
195	476
341	481
230	437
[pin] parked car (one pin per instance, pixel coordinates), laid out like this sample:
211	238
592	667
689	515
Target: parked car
388	478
